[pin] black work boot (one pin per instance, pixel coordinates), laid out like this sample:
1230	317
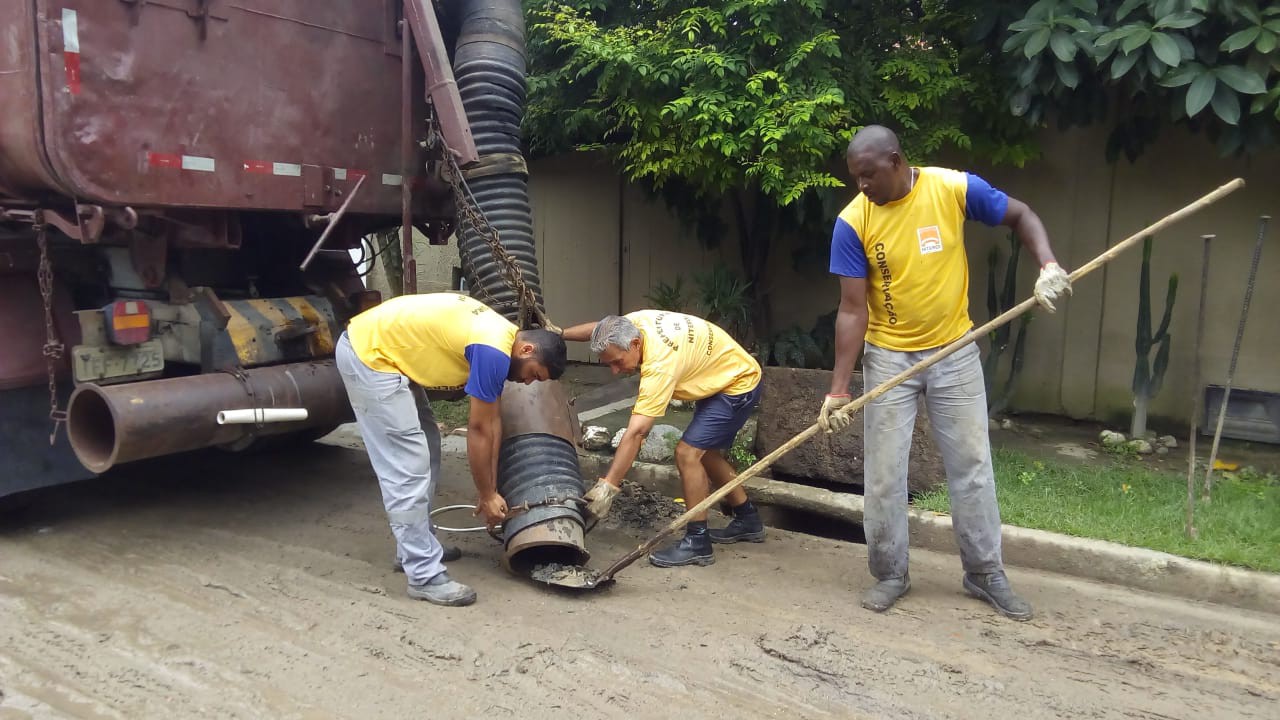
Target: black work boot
885	593
693	549
995	589
745	526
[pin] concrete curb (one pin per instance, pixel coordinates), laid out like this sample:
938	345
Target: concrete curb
1037	549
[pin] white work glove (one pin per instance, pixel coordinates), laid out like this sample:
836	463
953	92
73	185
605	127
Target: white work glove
1052	284
600	498
829	417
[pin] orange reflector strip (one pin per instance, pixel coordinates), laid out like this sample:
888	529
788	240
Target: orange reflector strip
130	322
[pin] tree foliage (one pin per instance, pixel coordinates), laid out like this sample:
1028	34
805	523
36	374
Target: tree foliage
1140	64
750	103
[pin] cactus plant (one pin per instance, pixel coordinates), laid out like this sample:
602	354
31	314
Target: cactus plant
998	395
1148	375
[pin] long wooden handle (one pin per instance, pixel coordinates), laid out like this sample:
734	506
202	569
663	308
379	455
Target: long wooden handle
768	460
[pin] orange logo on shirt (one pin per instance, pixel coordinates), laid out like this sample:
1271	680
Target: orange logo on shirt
930	239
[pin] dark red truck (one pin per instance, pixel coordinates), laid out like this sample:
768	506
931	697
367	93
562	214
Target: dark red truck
166	166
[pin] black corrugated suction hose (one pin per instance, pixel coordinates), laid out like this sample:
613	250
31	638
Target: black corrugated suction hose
489	66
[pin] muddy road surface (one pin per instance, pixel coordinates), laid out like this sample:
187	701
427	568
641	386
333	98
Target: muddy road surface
233	587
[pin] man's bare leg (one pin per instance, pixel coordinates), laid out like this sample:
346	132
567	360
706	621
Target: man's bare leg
746	525
695	547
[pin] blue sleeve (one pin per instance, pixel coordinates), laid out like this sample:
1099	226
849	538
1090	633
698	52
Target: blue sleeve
848	258
984	203
489	368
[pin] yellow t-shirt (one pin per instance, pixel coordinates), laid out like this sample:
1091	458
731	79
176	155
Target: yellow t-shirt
688	358
912	252
426	337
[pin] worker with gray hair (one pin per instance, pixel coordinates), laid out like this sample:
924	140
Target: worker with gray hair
898	249
686	358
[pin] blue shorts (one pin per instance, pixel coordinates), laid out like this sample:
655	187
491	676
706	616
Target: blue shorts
717	419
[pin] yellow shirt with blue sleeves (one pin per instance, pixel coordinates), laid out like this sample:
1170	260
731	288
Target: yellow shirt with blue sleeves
912	253
441	341
687	358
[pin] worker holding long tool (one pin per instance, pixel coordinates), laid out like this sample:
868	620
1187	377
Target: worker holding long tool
686	358
437	341
898	249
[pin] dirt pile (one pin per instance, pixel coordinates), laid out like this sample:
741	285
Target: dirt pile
637	508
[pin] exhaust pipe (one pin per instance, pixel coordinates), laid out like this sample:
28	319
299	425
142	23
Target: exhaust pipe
114	424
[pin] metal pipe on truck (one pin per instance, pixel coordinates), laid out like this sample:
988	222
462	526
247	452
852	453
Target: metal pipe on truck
114	424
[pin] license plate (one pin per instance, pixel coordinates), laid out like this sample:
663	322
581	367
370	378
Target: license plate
92	363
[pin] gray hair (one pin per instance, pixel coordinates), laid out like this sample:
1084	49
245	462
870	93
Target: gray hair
613	330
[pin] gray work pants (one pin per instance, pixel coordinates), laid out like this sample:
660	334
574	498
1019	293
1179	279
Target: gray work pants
956	400
403	442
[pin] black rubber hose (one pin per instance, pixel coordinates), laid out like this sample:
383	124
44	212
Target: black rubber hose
535	468
489	66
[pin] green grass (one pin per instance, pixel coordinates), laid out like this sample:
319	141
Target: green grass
453	413
1128	503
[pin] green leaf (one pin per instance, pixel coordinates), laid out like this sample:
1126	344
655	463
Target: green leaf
1136	40
1200	93
1240	79
1026	24
1120	33
1123	64
1063	46
1226	104
1036	44
1179	21
1029	72
1015	41
1267	41
1081	25
1182	76
1261	102
1089	6
1166	49
1068	74
1240	40
1127	7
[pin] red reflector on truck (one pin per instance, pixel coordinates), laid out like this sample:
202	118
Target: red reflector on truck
128	322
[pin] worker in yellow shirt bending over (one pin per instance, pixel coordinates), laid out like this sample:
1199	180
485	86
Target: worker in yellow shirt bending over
686	358
438	341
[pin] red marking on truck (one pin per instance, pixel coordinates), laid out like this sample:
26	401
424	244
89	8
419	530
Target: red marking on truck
266	167
164	160
174	161
71	50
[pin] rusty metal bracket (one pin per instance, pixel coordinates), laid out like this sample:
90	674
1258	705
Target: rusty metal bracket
86	228
441	86
203	12
333	221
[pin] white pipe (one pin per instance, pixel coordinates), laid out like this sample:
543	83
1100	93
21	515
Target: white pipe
261	415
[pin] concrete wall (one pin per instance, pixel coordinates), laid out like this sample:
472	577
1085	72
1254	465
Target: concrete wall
603	245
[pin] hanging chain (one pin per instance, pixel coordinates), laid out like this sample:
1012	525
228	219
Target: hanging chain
472	216
53	349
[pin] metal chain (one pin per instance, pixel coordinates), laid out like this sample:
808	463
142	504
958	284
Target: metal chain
472	216
53	349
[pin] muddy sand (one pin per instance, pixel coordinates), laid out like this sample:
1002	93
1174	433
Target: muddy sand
221	587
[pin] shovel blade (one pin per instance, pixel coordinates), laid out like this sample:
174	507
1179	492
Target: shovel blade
573	577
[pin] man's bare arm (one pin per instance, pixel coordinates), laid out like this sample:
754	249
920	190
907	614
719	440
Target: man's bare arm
851	331
579	333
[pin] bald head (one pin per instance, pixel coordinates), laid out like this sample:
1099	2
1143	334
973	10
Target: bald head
877	166
876	139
